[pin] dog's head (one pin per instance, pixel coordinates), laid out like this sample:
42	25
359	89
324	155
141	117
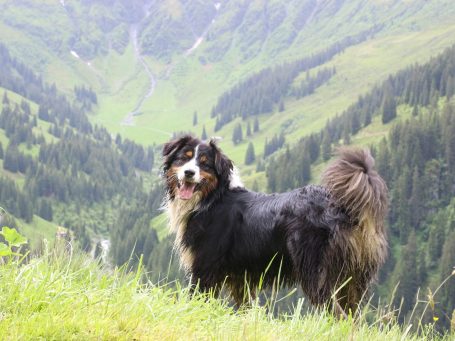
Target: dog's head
191	165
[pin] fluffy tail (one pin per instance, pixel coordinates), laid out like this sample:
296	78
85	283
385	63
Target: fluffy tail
355	184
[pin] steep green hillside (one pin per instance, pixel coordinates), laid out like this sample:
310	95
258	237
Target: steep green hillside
151	73
417	160
58	169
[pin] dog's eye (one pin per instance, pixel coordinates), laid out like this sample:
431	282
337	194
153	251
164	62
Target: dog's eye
189	153
203	159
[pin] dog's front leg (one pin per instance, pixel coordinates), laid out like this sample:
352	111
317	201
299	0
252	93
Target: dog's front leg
204	286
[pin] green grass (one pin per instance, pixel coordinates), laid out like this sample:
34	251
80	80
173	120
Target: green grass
38	230
71	297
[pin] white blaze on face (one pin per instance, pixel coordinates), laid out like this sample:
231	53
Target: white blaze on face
187	185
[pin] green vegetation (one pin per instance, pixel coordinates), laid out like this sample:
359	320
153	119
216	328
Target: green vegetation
68	296
417	161
58	169
244	39
280	81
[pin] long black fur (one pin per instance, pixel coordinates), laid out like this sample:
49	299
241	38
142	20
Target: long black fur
308	236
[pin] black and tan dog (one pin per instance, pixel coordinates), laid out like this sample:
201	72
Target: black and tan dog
317	236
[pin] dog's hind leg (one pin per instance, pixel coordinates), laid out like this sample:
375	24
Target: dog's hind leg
337	309
349	296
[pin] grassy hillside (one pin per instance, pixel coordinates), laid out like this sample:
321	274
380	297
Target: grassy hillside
68	297
186	54
45	138
243	38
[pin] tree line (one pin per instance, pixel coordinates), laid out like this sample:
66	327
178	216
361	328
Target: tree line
266	89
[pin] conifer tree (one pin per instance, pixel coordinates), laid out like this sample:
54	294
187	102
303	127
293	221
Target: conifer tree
248	129
346	136
204	133
447	259
389	109
5	99
355	123
326	146
306	168
237	135
260	167
437	236
195	118
45	210
417	199
250	155
218	124
408	275
256	125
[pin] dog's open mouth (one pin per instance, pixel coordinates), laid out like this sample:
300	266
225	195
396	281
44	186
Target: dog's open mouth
186	190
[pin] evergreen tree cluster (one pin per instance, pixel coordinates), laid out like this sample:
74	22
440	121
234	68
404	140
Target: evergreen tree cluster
86	96
141	158
275	143
77	168
17	77
290	169
308	85
263	91
132	237
80	168
16	161
403	88
417	160
14	200
18	124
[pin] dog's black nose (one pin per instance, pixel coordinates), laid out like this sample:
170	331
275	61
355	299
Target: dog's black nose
189	173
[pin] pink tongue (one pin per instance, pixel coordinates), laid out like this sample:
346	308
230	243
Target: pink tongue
186	190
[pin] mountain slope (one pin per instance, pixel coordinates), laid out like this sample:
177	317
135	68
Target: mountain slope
190	74
56	165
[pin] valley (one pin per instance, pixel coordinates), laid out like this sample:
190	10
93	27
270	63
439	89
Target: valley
94	88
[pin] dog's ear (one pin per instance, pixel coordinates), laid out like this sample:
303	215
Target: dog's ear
223	166
173	146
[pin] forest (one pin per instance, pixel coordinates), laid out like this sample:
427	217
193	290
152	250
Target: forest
67	165
263	91
417	160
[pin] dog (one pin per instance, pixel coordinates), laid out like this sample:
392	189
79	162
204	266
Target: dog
330	239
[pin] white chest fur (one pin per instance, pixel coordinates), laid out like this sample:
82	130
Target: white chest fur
179	211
